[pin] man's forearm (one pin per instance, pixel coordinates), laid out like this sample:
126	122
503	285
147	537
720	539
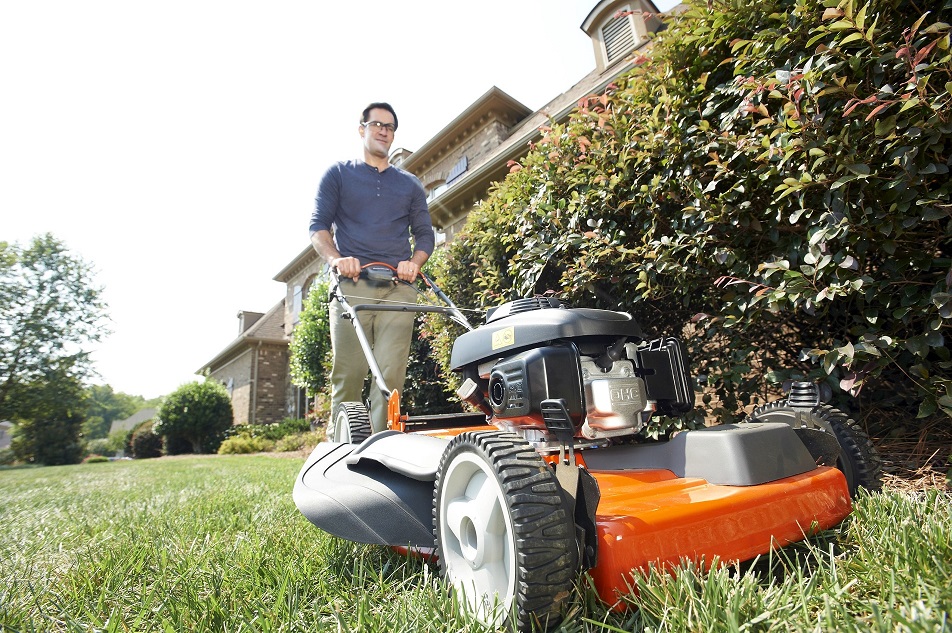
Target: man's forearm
419	258
324	245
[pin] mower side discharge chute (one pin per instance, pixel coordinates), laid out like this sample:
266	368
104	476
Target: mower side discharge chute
379	492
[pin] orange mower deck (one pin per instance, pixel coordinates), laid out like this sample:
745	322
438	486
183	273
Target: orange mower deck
651	516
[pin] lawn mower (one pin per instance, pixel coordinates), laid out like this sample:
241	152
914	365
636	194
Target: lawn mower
550	476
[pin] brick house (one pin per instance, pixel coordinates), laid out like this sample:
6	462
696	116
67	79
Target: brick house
457	167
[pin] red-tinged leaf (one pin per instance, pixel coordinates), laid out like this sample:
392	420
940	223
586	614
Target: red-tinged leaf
902	52
848	381
590	234
832	13
923	53
877	110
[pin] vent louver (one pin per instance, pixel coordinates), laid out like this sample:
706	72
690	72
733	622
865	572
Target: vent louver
618	37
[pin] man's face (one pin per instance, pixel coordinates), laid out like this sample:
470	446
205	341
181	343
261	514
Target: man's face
377	140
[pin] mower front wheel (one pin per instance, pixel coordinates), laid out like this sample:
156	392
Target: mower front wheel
503	537
351	423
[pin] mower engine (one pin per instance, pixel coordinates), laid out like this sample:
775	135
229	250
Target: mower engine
607	377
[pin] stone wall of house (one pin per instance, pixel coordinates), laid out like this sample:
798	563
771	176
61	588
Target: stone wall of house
270	402
475	145
297	288
236	376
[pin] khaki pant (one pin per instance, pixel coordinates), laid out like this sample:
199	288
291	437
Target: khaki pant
389	335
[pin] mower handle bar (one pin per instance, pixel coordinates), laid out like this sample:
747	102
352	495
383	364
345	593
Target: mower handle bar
374	272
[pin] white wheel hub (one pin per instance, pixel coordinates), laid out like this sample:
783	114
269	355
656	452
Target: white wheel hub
342	429
478	541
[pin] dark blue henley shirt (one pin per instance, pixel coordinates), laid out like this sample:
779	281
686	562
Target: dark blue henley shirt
372	213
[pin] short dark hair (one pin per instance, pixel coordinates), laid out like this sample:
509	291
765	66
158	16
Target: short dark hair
381	106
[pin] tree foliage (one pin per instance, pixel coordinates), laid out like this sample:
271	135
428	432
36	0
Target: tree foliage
310	346
105	406
49	431
771	183
197	413
51	311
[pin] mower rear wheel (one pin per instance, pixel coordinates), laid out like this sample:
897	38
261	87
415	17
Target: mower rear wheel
859	460
503	537
351	423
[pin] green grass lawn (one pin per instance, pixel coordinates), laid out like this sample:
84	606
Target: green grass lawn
214	543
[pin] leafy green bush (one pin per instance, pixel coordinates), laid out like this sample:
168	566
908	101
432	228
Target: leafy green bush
299	441
198	413
7	458
244	444
98	446
310	361
771	185
273	432
96	459
144	442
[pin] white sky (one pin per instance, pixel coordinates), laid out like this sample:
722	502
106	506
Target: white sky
177	145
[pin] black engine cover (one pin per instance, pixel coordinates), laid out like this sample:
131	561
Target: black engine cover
520	331
518	385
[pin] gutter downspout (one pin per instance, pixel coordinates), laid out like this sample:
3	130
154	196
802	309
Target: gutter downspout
254	385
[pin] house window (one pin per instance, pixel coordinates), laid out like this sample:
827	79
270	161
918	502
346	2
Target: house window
458	170
435	190
296	305
618	35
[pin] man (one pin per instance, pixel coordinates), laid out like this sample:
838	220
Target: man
365	211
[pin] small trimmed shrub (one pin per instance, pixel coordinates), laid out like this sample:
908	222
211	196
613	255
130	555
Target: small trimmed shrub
300	441
95	459
243	444
198	413
144	442
98	446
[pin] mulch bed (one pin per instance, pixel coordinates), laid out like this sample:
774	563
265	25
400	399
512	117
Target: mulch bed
916	463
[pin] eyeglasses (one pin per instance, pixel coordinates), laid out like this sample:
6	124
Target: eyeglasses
377	125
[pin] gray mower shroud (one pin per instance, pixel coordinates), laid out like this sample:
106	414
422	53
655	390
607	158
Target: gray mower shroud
382	490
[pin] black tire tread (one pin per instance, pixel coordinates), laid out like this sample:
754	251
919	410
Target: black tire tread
864	468
358	420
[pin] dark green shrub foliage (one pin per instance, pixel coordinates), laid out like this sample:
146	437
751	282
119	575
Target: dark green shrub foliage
311	342
144	442
771	184
273	432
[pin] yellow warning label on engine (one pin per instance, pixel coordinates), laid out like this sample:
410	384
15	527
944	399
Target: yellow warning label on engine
504	337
